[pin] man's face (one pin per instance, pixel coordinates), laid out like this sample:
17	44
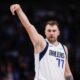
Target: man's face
52	32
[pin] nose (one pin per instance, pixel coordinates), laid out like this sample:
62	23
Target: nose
52	32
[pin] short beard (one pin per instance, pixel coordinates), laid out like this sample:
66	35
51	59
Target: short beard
51	41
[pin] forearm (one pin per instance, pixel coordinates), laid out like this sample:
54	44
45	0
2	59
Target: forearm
25	22
23	18
33	34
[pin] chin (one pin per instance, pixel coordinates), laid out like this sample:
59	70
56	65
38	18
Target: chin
52	40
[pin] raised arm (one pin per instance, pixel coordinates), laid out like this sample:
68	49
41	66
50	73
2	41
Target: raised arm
35	37
68	74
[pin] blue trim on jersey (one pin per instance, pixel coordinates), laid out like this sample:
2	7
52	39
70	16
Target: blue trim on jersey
43	52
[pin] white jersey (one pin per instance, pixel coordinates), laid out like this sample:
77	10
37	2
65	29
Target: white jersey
50	63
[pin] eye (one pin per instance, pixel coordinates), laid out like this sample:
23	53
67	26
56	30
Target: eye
54	30
49	30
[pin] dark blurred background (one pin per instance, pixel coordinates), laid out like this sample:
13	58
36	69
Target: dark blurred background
16	49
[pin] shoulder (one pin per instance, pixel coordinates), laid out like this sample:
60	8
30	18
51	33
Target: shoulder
40	46
66	50
65	47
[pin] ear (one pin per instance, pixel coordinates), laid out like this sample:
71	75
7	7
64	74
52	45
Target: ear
59	33
45	33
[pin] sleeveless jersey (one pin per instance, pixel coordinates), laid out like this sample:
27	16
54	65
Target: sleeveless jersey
50	63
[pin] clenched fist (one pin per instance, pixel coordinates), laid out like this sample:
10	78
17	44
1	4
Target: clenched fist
15	8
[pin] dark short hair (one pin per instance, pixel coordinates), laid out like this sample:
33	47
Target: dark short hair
52	22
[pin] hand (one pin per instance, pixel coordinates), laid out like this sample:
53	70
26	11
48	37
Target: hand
69	77
14	8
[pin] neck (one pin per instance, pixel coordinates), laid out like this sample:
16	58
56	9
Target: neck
55	43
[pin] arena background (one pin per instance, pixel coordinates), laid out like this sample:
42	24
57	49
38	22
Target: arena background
16	49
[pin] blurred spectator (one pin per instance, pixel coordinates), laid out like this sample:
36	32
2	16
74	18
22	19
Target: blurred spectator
11	74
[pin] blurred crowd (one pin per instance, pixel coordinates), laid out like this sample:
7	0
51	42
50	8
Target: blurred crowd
16	49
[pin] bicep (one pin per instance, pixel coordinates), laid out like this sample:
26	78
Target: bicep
35	37
67	68
39	47
67	74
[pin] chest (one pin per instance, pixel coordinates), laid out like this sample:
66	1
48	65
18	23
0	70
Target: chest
57	52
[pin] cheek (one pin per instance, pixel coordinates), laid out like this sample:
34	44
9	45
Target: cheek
47	35
57	33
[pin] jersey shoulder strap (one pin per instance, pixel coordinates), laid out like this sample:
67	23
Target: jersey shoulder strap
64	50
41	55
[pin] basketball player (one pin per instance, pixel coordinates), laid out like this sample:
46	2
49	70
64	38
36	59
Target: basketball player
51	57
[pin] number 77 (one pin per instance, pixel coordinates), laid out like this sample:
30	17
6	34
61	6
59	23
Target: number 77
60	62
